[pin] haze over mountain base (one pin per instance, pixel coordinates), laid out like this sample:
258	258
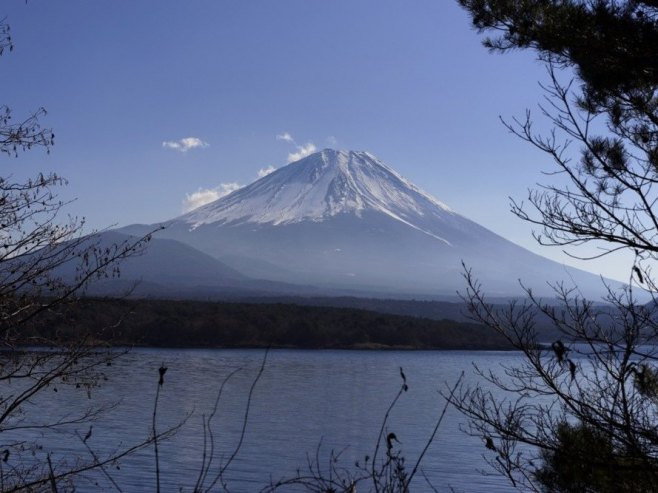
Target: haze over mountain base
342	221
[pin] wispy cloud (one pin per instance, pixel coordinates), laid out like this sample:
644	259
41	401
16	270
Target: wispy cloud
204	196
266	171
302	150
332	141
285	136
185	144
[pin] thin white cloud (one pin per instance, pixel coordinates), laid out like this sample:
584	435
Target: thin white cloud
286	137
302	152
266	171
332	141
185	144
204	196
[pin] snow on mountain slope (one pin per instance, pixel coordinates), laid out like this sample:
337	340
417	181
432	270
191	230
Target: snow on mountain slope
343	219
321	186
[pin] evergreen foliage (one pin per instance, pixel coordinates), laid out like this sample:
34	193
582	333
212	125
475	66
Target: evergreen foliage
610	46
166	323
581	412
585	459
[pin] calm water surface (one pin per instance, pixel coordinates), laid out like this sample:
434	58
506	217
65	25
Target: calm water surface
305	398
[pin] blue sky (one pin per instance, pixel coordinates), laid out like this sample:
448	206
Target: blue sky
125	82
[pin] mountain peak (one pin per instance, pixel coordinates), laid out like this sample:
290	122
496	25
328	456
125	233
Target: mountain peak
321	186
336	154
341	218
340	159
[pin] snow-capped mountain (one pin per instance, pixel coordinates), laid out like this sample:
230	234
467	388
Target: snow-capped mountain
322	186
345	219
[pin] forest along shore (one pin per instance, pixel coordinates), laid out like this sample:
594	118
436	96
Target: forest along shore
168	323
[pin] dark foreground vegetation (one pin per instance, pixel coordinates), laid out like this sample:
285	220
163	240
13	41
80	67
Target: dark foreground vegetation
163	323
575	420
580	417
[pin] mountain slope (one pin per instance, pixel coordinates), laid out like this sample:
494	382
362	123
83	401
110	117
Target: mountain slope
322	186
344	219
171	269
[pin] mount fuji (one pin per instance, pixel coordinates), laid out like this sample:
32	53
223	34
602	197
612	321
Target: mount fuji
345	220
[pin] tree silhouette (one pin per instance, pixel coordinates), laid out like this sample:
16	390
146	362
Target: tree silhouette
580	412
36	246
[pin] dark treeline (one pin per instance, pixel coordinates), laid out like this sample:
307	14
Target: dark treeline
434	309
166	323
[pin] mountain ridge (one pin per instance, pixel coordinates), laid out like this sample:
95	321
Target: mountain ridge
319	186
345	220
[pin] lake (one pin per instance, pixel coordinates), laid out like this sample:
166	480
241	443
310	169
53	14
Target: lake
306	404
